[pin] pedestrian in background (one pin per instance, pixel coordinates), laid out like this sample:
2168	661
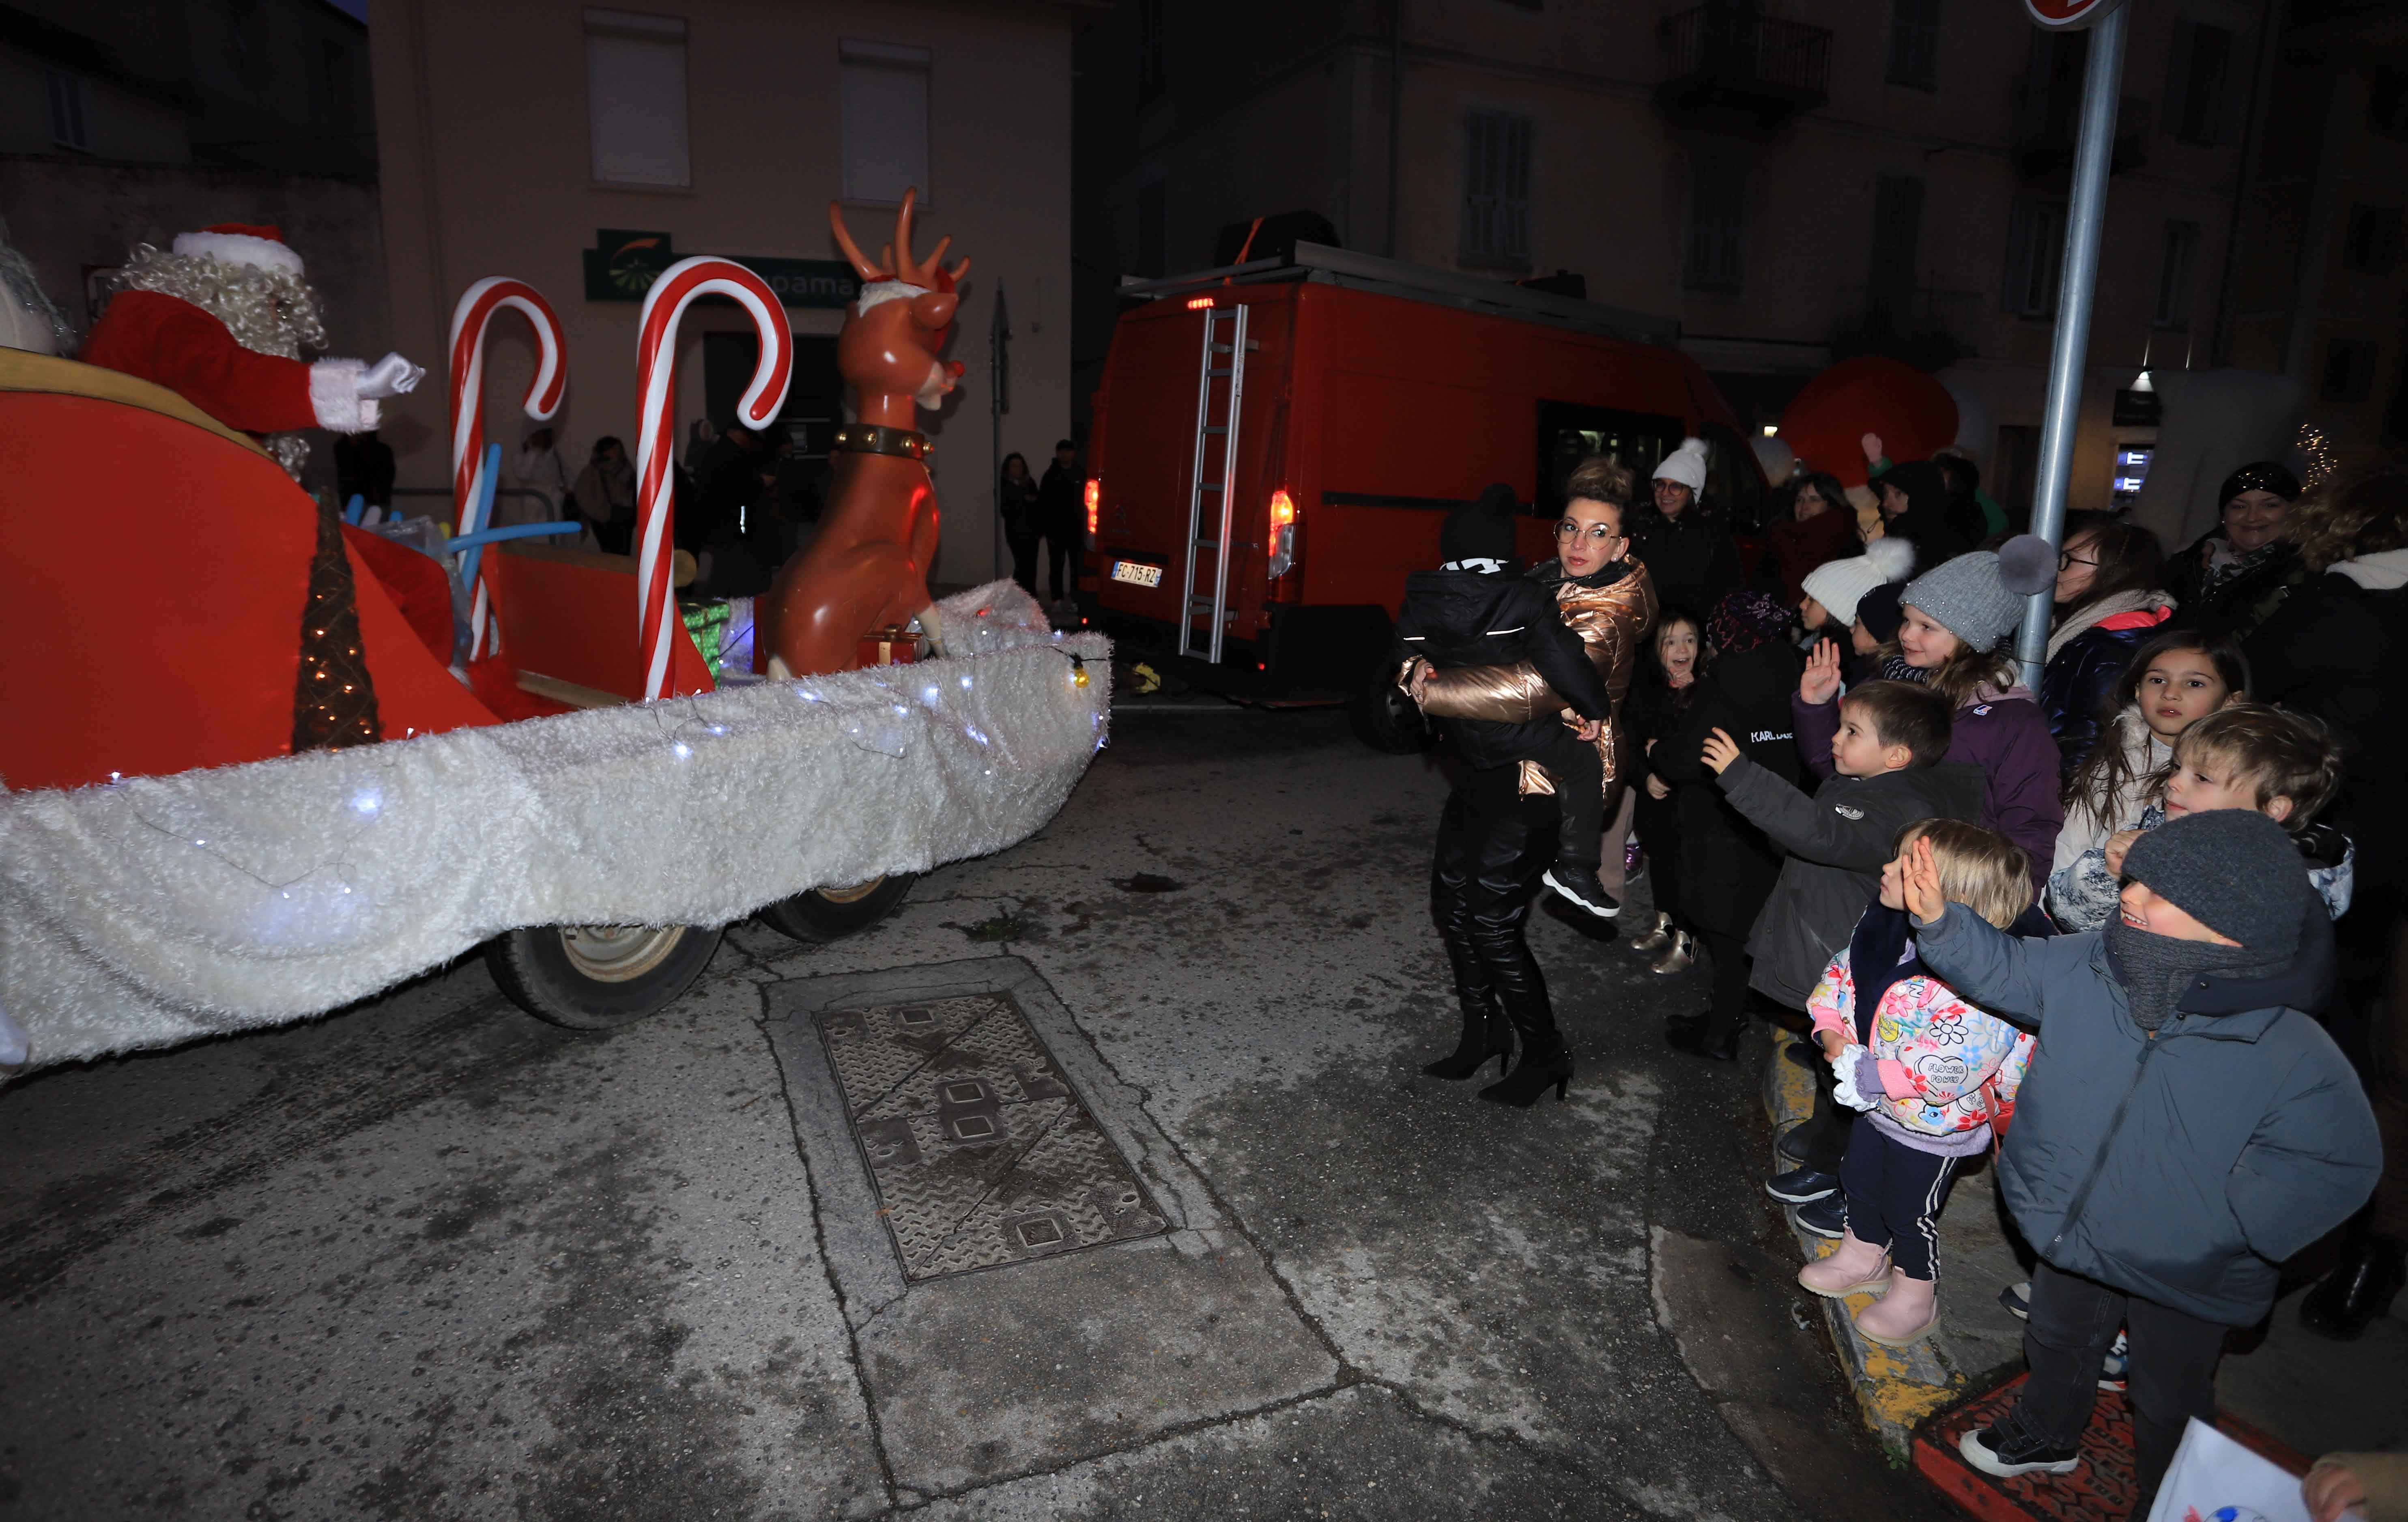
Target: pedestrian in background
605	495
1062	519
1687	548
1819	529
1020	525
2109	596
2232	577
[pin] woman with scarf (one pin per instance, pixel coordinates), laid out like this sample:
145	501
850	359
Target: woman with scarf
2237	573
2109	596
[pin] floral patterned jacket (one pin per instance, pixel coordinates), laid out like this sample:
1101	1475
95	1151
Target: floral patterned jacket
1931	1055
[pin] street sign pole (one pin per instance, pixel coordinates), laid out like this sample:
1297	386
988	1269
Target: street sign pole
2100	84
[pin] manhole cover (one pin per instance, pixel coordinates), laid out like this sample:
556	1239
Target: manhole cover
981	1153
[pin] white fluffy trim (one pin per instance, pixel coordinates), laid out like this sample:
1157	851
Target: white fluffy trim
162	909
238	249
335	396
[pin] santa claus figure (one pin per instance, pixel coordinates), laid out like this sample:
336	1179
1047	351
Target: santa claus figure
221	318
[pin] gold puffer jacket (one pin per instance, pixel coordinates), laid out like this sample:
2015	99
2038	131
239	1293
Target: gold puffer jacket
1610	621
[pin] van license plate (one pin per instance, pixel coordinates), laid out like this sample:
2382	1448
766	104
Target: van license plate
1136	574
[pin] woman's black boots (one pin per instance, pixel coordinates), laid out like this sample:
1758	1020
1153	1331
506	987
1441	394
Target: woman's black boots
1486	1034
2373	1269
1546	1064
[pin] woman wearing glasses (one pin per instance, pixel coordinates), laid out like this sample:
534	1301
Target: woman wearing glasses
2109	596
1607	599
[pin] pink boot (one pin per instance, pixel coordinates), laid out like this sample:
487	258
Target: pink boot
1904	1316
1852	1266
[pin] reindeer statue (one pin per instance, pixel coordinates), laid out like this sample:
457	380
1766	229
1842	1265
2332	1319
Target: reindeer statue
868	568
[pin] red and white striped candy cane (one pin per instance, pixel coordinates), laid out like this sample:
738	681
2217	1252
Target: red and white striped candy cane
655	438
474	313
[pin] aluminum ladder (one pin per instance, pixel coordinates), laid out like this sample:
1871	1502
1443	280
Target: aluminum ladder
1220	393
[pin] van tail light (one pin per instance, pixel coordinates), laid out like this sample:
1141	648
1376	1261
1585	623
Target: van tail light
1282	539
1095	508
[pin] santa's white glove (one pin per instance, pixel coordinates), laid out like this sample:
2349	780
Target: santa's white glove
388	377
1844	1067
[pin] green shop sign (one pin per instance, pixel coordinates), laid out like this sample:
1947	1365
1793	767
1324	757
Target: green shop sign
622	265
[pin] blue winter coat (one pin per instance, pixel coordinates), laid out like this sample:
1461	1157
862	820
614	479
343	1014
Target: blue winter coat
2077	686
2185	1166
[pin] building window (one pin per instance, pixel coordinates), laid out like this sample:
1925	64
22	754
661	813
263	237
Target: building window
885	122
2372	241
2035	257
1898	233
1711	255
1497	190
2196	78
2349	370
1914	43
2387	102
634	98
69	126
1153	227
2177	272
1152	60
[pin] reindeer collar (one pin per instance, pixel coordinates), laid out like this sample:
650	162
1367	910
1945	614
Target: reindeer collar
875	439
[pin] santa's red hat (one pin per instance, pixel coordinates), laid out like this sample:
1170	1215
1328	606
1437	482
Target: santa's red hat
241	243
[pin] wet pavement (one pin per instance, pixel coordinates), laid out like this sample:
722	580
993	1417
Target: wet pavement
432	1258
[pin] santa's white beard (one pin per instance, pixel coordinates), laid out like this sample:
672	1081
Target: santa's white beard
269	311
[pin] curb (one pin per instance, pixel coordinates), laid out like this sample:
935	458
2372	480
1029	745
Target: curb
1895	1388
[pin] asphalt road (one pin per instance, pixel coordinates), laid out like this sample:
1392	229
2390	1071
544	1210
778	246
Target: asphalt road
430	1258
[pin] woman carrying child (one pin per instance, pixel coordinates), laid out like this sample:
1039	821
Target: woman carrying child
1934	1074
1609	600
1958	617
2173	681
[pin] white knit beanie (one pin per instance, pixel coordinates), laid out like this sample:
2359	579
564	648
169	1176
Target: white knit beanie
1840	584
1685	464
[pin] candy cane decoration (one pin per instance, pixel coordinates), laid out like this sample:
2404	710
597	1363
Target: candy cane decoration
474	313
656	620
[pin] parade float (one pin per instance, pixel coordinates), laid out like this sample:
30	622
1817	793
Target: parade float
256	769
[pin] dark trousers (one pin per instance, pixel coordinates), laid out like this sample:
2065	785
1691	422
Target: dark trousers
1831	1128
1491	845
1728	1003
1894	1194
1658	825
1061	546
1023	559
2171	1373
1580	798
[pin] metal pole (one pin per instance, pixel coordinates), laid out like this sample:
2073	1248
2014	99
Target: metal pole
995	421
2084	219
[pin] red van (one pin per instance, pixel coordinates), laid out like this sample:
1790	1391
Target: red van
1275	443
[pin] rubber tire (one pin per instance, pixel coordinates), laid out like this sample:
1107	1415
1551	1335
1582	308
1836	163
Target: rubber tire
814	917
1387	720
535	970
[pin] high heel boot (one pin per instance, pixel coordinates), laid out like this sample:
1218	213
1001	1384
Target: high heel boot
1546	1063
1486	1033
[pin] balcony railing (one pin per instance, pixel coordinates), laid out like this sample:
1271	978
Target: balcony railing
1729	58
1922	325
2048	124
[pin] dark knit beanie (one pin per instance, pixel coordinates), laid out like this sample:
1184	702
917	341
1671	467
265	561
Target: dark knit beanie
1922	482
1879	611
1744	620
2264	475
1482	530
2234	870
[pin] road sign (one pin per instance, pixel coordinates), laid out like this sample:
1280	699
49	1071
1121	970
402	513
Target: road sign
2068	15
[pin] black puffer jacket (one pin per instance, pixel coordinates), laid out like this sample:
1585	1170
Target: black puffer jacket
2240	602
1693	558
1728	865
1457	618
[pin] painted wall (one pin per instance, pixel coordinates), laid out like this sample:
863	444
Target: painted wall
481	126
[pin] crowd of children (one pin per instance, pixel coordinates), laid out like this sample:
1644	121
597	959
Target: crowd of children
2104	910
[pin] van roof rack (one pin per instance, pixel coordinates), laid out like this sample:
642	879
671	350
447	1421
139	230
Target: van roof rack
1322	264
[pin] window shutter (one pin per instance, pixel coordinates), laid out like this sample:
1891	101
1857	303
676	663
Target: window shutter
885	99
2178	78
634	98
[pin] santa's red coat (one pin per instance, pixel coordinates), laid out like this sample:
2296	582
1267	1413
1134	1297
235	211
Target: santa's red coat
170	341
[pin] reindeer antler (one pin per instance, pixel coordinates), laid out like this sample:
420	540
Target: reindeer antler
895	260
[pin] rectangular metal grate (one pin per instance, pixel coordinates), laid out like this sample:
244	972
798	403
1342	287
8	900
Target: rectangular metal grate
981	1153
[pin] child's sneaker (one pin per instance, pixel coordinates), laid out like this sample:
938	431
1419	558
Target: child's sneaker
2112	1367
1993	1451
1825	1218
2017	1299
1578	881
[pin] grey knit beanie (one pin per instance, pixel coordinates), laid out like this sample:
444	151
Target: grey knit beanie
2234	870
1979	597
